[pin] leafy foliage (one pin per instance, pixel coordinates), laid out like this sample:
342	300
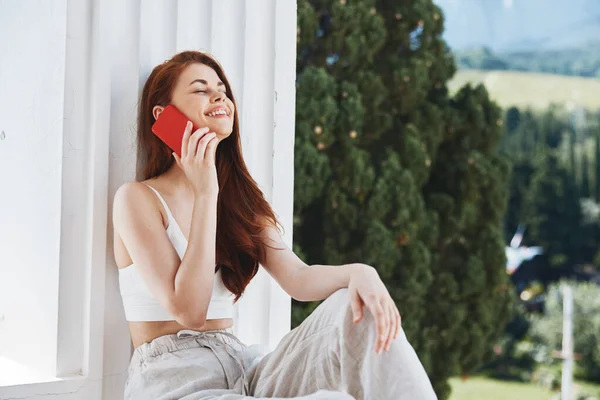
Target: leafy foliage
393	172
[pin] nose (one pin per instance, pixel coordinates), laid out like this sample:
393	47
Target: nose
217	97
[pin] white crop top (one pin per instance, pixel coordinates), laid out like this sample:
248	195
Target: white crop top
141	305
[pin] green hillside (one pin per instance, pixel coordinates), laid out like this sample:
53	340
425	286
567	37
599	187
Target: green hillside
535	90
476	388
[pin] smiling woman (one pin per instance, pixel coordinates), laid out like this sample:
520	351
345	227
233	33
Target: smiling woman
189	236
195	84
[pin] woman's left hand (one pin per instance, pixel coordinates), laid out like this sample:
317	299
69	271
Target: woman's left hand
367	289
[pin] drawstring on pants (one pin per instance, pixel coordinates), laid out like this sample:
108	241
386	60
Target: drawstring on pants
209	340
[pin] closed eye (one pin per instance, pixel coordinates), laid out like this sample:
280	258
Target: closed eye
204	91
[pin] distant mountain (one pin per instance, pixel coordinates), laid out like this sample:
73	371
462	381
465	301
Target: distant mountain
520	25
583	60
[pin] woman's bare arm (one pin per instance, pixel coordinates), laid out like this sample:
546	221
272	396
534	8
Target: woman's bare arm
183	287
301	281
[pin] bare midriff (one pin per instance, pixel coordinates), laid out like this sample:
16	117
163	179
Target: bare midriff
145	332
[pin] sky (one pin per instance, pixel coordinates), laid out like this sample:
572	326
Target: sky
509	25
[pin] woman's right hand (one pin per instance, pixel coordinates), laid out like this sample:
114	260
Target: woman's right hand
198	160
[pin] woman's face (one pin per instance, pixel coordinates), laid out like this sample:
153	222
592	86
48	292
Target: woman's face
201	96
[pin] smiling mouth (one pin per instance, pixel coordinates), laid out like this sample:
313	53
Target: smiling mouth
218	113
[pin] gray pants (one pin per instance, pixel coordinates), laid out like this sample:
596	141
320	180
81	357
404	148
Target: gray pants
326	357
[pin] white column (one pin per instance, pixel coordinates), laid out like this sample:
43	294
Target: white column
280	305
32	106
567	343
70	79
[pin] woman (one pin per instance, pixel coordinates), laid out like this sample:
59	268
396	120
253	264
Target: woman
189	236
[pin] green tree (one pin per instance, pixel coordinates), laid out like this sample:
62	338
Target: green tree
586	190
552	212
528	135
552	127
512	120
393	172
523	169
572	157
564	174
596	136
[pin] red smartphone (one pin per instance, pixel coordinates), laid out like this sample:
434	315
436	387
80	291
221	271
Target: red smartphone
170	126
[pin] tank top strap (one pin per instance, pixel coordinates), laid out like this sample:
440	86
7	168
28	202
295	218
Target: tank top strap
164	203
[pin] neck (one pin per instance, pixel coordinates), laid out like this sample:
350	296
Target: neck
177	179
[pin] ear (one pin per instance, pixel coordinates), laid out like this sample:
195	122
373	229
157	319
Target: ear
156	111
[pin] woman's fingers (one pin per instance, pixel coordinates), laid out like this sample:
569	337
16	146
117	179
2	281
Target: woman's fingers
393	325
194	141
399	325
356	304
381	321
211	149
201	151
385	330
186	138
387	320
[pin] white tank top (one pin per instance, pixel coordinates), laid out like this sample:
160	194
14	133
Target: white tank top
141	305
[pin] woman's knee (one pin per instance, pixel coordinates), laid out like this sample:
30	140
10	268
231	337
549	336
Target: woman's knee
338	301
338	305
334	308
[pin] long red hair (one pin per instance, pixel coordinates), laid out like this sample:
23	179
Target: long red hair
242	210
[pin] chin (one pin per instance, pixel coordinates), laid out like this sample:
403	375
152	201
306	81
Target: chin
223	134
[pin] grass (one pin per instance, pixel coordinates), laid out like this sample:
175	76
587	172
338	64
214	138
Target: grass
535	90
476	388
589	387
489	389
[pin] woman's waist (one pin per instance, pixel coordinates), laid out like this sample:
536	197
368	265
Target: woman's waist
143	332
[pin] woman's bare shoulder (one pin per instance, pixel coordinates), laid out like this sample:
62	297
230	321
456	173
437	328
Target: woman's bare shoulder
133	198
131	191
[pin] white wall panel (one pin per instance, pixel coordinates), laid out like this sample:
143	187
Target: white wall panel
75	237
32	96
257	142
125	83
158	33
70	76
282	172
